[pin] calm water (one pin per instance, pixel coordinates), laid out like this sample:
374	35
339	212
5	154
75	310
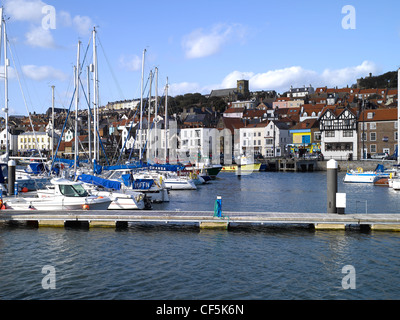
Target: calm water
182	262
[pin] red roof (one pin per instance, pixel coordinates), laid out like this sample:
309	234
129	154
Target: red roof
379	115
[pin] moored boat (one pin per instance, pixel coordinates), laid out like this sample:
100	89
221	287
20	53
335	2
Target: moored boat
61	195
361	176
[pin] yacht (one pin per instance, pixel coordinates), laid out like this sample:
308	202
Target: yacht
61	195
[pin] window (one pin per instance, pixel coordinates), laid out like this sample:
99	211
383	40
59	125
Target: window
330	134
363	136
347	133
373	148
373	136
372	125
73	191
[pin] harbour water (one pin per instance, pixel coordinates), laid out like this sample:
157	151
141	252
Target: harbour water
181	262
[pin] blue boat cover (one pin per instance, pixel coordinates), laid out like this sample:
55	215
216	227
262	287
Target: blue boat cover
66	161
116	185
380	168
165	167
35	168
143	184
127	179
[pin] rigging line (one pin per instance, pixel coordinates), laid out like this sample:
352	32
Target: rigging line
97	131
111	70
143	112
19	64
27	109
63	130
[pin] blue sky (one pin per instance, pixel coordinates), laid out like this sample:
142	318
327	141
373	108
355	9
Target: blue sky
198	45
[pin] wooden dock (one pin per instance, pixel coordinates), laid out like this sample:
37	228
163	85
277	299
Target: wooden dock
320	221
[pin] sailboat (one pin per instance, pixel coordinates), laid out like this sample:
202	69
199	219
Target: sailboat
120	200
23	179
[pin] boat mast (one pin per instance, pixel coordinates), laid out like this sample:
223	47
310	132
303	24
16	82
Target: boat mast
95	100
89	116
148	119
77	71
398	117
141	108
155	115
52	123
166	122
6	64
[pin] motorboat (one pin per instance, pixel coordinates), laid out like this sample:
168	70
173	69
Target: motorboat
61	195
174	181
361	176
150	184
245	165
120	200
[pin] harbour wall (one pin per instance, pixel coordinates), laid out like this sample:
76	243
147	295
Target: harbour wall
300	165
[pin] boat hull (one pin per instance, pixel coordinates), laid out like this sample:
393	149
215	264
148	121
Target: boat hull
173	184
43	204
244	168
121	201
364	177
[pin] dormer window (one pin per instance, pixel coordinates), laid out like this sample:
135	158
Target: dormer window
370	115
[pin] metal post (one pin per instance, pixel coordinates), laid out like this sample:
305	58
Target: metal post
52	124
332	168
11	177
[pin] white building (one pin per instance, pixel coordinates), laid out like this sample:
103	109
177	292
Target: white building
38	140
300	92
267	138
339	138
13	141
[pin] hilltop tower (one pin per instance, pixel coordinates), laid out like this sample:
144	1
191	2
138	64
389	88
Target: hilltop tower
243	88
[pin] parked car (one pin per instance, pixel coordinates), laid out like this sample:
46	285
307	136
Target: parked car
380	155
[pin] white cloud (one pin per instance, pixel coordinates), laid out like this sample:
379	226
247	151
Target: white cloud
280	80
40	73
199	44
39	37
31	11
83	25
25	10
65	18
297	76
175	89
132	62
342	77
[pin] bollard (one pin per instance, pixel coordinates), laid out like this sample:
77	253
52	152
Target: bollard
11	177
218	207
16	189
332	168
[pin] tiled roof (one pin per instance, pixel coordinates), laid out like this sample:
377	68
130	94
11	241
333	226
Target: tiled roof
378	115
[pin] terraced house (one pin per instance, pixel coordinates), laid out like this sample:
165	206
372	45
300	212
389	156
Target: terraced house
338	127
377	132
